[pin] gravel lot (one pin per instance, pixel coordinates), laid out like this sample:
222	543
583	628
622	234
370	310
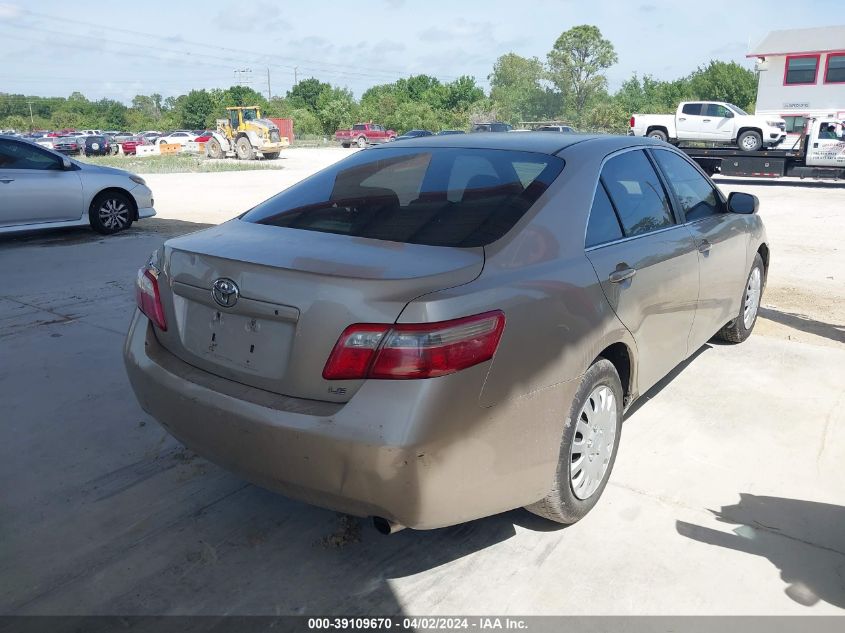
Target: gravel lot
726	497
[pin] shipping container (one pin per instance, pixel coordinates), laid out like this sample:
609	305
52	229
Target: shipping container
285	127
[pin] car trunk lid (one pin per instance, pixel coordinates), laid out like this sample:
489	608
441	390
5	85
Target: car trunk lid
296	292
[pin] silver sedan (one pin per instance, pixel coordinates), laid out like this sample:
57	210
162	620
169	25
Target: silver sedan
42	189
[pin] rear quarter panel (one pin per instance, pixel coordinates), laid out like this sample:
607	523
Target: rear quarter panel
557	320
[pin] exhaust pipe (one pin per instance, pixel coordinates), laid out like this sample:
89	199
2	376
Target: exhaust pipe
386	526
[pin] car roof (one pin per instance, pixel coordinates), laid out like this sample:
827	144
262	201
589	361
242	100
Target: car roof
538	142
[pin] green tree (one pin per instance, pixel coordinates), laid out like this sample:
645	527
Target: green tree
462	93
111	115
197	109
336	108
516	89
305	122
148	107
724	81
305	93
576	63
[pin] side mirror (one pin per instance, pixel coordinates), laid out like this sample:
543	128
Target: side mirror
729	114
743	203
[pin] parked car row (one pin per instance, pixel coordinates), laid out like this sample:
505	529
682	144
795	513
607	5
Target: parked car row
100	143
364	134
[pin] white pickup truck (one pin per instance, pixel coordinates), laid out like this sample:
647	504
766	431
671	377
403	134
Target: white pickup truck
711	121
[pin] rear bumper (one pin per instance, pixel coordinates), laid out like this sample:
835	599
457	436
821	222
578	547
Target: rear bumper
146	212
422	456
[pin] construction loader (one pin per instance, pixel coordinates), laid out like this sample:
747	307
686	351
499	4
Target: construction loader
245	135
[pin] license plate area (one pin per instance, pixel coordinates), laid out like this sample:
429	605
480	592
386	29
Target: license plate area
243	343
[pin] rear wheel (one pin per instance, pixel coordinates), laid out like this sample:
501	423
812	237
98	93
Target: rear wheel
749	141
271	155
213	148
659	135
362	142
110	212
588	447
243	148
740	328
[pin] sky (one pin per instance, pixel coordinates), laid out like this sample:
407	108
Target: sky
121	48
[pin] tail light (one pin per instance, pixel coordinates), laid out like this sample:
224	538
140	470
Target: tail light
631	121
423	350
148	297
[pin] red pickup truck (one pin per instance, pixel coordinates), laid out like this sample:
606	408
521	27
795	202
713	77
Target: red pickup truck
363	134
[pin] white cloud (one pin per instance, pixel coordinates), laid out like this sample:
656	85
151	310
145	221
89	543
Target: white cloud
9	11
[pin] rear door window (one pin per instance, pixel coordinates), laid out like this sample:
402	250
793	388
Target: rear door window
715	110
436	196
637	194
603	225
693	109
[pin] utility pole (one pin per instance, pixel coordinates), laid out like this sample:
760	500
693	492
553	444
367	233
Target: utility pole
269	93
295	80
31	120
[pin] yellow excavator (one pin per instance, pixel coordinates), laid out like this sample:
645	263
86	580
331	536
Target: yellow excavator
245	135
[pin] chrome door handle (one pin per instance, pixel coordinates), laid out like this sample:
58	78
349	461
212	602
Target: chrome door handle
706	120
618	276
704	246
683	118
7	180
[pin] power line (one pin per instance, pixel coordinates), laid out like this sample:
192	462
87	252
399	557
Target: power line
311	62
223	61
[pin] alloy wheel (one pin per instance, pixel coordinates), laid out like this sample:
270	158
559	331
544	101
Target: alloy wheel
114	214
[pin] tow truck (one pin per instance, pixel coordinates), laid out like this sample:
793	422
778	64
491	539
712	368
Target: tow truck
809	157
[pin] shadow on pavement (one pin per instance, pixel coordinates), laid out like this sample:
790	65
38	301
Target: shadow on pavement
805	324
804	539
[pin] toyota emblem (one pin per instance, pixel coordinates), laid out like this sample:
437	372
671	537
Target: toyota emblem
225	292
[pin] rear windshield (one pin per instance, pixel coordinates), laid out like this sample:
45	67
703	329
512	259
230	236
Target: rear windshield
439	197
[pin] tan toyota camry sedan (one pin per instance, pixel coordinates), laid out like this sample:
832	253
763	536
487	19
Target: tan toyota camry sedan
441	329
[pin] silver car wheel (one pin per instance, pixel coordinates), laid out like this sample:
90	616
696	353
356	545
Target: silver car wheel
113	214
592	445
752	298
749	143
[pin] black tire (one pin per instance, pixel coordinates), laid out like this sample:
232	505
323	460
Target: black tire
749	141
658	134
111	212
271	155
243	148
345	144
562	505
213	149
361	142
736	331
